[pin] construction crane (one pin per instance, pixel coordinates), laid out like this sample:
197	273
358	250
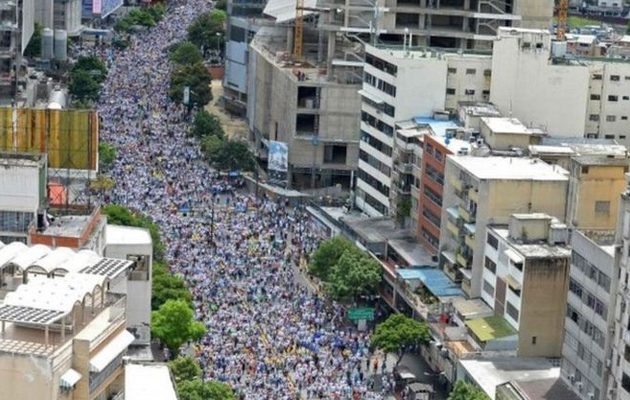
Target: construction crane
563	10
298	31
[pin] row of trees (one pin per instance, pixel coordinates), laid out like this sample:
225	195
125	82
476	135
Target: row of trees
190	386
146	17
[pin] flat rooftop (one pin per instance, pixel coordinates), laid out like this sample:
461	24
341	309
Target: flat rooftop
127	235
510	168
438	126
544	389
149	381
508	125
478	109
534	250
490	328
22	159
67	226
488	373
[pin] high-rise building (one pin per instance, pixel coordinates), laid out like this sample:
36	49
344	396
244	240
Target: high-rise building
16	28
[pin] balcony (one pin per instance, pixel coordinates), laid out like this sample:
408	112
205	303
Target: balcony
455	183
465	214
473	195
470	241
452	272
466	287
452	228
463	260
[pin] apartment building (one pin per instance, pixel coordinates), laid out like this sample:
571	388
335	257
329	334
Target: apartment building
587	351
16	28
394	118
22	194
525	278
61	338
488	190
567	96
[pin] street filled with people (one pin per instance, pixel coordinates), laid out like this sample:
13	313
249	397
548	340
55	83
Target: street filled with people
269	336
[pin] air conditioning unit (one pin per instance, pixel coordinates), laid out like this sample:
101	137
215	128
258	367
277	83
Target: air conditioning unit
572	378
579	385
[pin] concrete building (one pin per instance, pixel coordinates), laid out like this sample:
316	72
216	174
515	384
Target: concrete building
16	28
525	280
22	194
61	338
149	381
560	150
488	190
508	133
587	348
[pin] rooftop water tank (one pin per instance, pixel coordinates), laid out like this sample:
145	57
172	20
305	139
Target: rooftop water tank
47	44
61	45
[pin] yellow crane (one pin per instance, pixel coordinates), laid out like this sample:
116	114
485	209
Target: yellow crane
563	10
298	31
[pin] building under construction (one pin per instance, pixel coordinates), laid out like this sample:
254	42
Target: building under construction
305	72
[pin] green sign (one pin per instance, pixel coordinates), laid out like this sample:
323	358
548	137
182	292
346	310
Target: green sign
356	314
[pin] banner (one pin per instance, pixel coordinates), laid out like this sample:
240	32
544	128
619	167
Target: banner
278	156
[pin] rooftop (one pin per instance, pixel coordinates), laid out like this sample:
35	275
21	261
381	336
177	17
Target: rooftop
148	382
490	328
471	308
508	125
438	126
543	389
67	226
477	109
594	160
127	235
488	373
22	159
533	250
510	168
436	281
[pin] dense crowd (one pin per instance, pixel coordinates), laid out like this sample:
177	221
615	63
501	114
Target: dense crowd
268	336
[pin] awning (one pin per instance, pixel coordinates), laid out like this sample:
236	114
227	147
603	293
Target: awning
449	256
453	212
512	282
514	256
69	379
111	351
371	96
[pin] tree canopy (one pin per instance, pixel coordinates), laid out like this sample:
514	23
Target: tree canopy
106	154
197	78
354	274
144	16
327	255
466	391
167	287
230	155
185	369
185	53
174	325
83	86
119	215
208	30
206	124
198	390
398	333
34	47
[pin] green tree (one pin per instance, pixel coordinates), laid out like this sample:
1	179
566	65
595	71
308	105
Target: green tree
34	47
185	53
93	65
208	30
232	155
106	154
185	369
168	287
83	86
327	255
221	5
197	78
198	390
174	325
211	144
353	275
466	391
206	124
397	333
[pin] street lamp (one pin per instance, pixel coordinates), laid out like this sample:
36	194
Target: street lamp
218	35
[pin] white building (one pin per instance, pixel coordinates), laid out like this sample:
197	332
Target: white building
590	314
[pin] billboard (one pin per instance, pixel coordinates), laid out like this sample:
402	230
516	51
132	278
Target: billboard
278	162
69	137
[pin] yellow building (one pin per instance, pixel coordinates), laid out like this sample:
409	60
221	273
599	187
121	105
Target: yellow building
61	338
488	190
594	186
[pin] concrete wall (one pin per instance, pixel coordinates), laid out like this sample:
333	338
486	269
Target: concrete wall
19	189
26	377
525	86
462	81
543	307
535	14
602	183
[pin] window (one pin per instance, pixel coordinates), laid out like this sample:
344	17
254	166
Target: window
593	117
450	91
626	97
602	207
613	98
377	144
490	265
624	117
487	73
597	77
614	78
611	118
335	154
452	70
595	97
471	71
488	288
486	93
609	136
492	241
511	311
382	65
469	92
433	196
533	339
575	288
